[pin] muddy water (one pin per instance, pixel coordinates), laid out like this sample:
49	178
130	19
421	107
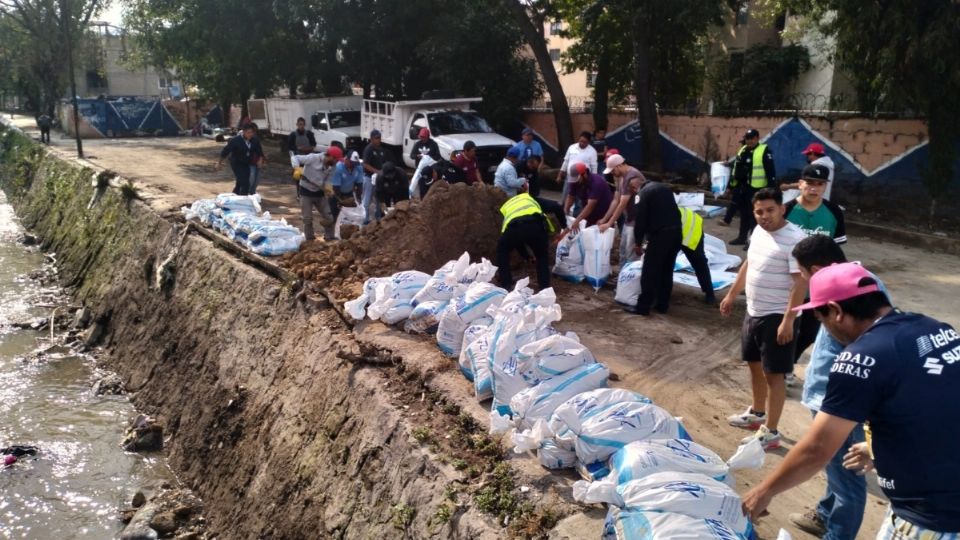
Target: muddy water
81	477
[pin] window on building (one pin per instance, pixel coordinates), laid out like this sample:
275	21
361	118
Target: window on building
743	15
591	79
95	81
555	28
555	55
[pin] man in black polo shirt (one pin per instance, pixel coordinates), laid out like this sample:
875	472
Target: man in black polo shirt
656	218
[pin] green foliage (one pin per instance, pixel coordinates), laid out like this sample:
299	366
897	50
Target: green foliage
422	434
757	79
402	516
498	497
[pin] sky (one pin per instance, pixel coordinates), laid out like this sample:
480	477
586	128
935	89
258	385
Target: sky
113	14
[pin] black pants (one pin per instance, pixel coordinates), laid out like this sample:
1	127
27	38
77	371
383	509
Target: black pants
742	202
45	135
525	232
807	333
698	260
241	174
656	278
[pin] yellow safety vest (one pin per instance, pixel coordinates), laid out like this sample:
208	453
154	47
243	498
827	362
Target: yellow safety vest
758	175
521	205
692	228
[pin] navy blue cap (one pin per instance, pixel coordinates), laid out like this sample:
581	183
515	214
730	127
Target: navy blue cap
513	152
527	131
374	134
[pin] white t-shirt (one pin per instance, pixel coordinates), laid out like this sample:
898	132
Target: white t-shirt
770	265
828	163
575	154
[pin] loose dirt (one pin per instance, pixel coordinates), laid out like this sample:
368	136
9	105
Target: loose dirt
416	235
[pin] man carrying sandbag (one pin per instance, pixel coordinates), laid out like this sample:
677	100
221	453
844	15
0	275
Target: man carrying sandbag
657	218
315	186
524	225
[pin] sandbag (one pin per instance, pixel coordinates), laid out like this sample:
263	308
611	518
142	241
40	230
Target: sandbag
554	457
394	296
541	400
596	255
349	215
569	257
639	525
478	298
249	204
475	355
473	332
693	495
552	356
424	317
628	283
640	459
442	285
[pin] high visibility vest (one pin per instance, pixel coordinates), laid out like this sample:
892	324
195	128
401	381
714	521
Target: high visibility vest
692	225
758	175
519	206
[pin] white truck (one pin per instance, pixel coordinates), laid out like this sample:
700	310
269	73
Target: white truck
332	119
451	122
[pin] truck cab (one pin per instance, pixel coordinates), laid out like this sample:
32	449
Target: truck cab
337	125
451	123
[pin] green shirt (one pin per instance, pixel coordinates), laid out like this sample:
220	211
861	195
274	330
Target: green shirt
826	219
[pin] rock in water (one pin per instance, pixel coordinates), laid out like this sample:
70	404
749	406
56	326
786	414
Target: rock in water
139	499
110	385
164	523
144	435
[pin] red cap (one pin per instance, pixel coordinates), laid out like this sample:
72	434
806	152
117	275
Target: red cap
335	152
814	148
424	132
612	151
836	283
581	168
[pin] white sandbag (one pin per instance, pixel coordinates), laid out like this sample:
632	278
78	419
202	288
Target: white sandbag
541	400
463	310
628	283
693	495
420	175
596	255
720	280
719	177
425	317
475	331
640	459
357	308
476	356
554	457
481	272
639	525
569	257
273	245
443	284
509	332
554	355
349	215
689	200
249	204
396	293
396	311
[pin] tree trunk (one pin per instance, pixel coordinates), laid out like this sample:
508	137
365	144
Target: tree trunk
538	44
601	92
646	105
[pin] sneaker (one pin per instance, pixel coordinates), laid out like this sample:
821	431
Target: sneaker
791	380
768	439
747	419
809	522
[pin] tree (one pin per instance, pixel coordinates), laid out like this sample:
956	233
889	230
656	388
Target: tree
656	48
530	16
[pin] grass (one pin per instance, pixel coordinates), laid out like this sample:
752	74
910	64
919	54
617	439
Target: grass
402	516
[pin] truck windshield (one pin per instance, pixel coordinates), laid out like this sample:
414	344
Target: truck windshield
450	123
344	119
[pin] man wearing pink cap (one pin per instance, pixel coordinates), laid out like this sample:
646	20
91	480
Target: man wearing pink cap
898	374
815	155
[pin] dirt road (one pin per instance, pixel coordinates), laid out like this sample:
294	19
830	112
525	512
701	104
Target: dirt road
687	361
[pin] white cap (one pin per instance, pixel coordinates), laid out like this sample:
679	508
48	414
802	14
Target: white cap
612	162
355	157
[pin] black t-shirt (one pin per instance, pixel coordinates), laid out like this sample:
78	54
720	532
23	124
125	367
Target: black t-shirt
533	179
428	147
655	209
902	377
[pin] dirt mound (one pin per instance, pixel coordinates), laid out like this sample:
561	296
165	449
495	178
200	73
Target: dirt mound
417	235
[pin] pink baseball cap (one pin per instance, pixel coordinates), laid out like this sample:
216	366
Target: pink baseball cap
836	283
612	162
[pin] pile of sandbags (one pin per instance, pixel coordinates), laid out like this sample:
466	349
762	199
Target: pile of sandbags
239	218
549	391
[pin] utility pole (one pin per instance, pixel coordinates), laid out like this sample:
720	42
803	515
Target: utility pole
67	22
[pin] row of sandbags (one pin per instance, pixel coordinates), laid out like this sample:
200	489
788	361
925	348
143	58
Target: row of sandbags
549	390
239	218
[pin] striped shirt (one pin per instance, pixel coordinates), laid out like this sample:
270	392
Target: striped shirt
770	264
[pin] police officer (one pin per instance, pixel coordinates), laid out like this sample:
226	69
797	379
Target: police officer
524	225
656	218
692	245
753	170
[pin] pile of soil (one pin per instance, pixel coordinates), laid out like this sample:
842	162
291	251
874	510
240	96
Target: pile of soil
416	235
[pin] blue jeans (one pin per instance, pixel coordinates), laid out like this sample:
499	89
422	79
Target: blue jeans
841	507
254	179
369	199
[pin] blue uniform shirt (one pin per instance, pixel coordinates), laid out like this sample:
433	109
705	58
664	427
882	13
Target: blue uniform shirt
527	150
902	376
825	349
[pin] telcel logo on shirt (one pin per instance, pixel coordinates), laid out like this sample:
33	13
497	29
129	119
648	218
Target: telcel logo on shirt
927	344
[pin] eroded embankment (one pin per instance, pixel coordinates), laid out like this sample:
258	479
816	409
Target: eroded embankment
277	417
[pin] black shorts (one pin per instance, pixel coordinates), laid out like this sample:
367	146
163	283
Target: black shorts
759	343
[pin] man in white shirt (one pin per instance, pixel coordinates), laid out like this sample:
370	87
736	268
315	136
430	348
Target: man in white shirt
315	187
771	277
578	152
506	177
816	155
